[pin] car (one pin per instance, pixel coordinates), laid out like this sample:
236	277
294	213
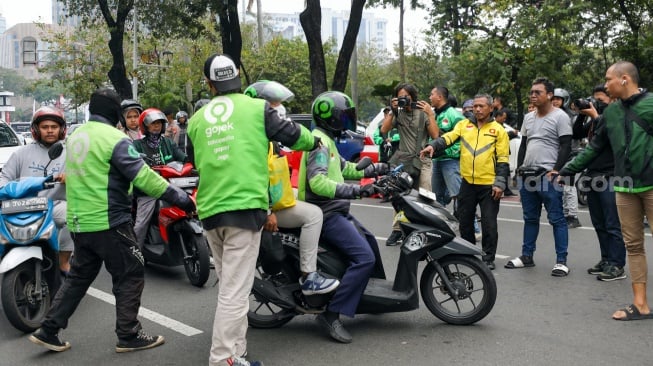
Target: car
9	142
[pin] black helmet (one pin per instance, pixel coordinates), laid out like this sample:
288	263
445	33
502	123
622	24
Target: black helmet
334	111
129	104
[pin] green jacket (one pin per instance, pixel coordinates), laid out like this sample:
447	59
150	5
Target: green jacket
229	140
322	176
447	118
631	145
101	162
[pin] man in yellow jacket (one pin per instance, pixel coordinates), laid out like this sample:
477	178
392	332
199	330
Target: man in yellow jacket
484	168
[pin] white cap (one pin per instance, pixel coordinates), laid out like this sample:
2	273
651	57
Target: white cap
222	72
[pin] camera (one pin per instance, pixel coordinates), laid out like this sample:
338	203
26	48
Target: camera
403	102
584	103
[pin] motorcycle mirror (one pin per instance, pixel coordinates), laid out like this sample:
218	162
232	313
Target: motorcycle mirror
364	163
55	150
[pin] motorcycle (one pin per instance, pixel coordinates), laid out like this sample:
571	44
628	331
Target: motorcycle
455	285
29	249
174	237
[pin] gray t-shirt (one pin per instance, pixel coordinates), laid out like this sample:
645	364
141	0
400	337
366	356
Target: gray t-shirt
543	134
30	161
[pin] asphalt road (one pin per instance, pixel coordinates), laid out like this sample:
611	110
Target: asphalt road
537	320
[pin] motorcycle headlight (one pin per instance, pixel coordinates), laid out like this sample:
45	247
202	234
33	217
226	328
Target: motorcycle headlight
25	233
415	241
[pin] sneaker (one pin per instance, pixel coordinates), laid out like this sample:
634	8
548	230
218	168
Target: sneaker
598	268
395	238
572	222
560	270
490	265
612	273
241	361
315	284
49	341
335	328
140	342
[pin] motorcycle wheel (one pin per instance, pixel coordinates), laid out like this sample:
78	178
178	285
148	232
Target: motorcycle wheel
475	284
262	313
23	308
197	265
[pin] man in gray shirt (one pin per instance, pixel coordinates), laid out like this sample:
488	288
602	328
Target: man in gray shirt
545	148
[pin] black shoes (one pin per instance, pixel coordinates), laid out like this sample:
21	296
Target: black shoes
598	268
49	341
335	328
490	265
395	238
572	222
140	342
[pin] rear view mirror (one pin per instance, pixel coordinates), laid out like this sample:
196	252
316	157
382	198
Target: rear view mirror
55	150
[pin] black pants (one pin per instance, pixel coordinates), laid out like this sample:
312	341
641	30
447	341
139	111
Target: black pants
118	249
471	195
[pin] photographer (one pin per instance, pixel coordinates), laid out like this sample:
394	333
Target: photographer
597	181
415	121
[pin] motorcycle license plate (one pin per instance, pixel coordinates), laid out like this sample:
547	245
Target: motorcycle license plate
24	205
184	182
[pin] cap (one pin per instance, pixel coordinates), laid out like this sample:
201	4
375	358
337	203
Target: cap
468	103
222	72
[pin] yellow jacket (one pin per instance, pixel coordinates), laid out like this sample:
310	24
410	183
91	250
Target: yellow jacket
484	152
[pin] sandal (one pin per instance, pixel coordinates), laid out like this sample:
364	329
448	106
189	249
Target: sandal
632	313
520	262
560	270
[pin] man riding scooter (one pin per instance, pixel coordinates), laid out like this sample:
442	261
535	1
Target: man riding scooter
321	182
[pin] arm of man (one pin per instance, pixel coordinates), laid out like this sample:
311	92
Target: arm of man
388	122
564	150
431	124
317	175
502	151
289	133
11	170
522	151
598	142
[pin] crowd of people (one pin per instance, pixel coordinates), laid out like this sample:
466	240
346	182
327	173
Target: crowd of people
462	156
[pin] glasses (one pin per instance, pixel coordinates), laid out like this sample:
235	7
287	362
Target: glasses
535	92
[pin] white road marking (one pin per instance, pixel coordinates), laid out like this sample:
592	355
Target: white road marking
149	314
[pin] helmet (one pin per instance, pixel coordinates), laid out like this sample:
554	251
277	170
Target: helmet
334	111
562	94
271	91
222	72
129	104
47	113
150	115
181	114
201	103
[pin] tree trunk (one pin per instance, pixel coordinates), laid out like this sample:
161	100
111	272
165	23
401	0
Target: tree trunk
311	21
118	73
232	42
348	45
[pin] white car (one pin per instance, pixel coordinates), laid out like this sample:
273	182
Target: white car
9	142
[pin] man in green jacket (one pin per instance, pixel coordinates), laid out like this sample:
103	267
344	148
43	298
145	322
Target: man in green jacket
229	140
629	132
101	164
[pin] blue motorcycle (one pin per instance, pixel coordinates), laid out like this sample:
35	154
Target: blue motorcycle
28	251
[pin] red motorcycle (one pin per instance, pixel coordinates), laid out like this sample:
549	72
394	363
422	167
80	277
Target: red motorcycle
175	237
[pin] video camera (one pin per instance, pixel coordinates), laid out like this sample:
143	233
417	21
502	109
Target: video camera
403	102
584	103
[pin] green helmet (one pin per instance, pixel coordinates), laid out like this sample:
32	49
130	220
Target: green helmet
334	111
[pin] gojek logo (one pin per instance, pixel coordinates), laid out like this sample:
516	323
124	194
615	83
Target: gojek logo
218	113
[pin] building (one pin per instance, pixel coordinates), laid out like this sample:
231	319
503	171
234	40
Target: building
60	15
3	23
334	25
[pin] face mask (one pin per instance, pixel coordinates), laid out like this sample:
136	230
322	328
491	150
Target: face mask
281	110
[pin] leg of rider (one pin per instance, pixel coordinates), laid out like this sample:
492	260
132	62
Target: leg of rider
309	217
144	209
66	244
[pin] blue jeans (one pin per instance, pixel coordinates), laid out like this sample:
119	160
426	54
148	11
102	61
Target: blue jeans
445	180
533	193
603	213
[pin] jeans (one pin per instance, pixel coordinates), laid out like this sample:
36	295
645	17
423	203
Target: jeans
470	196
602	205
534	192
445	180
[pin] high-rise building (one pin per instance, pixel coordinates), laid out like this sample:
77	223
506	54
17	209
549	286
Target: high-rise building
334	25
59	15
3	23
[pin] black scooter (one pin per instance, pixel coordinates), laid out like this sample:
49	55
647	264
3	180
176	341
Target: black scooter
456	286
